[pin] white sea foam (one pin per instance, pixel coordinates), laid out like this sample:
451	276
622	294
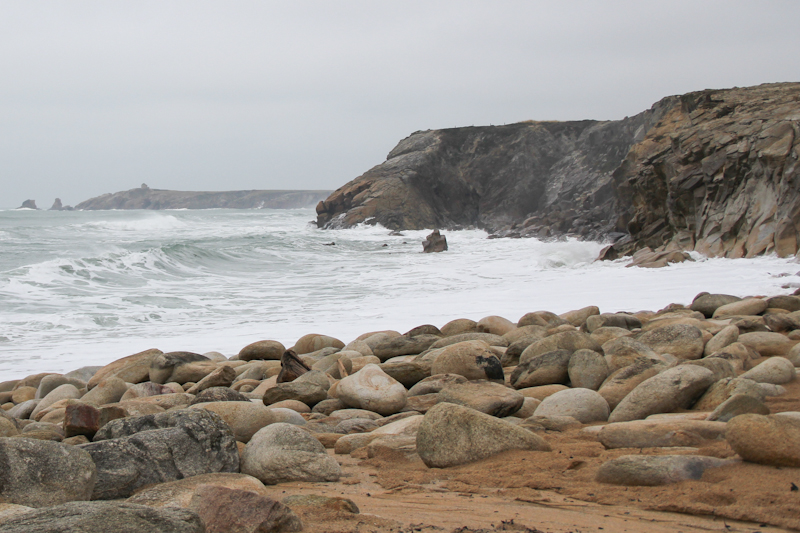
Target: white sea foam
89	287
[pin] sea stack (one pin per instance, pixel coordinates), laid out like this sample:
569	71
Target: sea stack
28	204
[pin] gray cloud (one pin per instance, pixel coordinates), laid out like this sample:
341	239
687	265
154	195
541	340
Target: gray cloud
101	96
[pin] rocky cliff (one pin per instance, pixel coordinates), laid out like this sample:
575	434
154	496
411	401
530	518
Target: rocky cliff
713	170
147	198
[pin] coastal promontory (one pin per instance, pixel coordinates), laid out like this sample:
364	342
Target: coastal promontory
714	171
146	198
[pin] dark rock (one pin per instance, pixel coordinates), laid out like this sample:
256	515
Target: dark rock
292	367
81	419
435	242
219	394
40	473
308	393
119	517
137	451
28	204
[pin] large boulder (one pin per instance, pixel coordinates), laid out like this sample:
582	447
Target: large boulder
471	359
659	433
314	341
776	370
672	389
725	337
372	389
180	367
680	340
708	303
119	517
584	405
245	418
620	383
485	396
572	341
451	435
40	473
767	343
403	345
623	351
280	453
262	350
768	440
137	451
654	470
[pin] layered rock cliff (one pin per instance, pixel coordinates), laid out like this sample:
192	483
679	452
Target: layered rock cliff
713	170
147	198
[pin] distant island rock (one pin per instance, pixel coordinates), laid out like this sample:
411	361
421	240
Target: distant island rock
146	198
715	171
57	206
28	204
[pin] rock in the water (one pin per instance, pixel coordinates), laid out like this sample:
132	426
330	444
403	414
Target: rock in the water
738	404
471	359
484	396
40	473
654	470
158	448
680	340
435	242
542	369
587	369
584	405
372	389
451	435
263	350
119	517
776	370
672	389
659	433
281	453
768	440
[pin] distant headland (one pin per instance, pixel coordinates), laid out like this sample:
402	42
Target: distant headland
146	198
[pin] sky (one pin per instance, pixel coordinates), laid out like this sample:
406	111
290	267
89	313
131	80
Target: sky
102	96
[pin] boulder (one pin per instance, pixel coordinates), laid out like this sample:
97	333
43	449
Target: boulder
23	411
110	390
131	369
458	326
62	392
179	493
541	392
471	359
768	440
543	369
280	453
722	368
496	325
322	503
145	390
407	372
748	306
372	389
403	345
262	350
675	388
620	383
738	404
529	406
661	433
749	324
23	394
738	355
654	470
221	377
41	473
587	369
314	341
767	343
623	351
680	340
781	323
219	394
488	338
181	367
788	303
451	435
727	336
137	451
435	242
708	303
119	517
557	423
435	383
81	419
724	389
579	316
570	341
84	373
775	370
225	510
541	318
604	335
485	396
302	391
245	419
52	381
617	320
584	405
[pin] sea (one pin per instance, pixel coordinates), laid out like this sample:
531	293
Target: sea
80	288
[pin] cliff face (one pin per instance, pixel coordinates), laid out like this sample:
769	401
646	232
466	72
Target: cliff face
718	174
146	198
713	170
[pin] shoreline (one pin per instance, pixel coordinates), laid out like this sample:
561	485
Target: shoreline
563	399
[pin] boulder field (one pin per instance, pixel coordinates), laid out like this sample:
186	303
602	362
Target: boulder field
181	441
715	171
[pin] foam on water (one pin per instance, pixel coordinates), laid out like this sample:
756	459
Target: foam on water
81	288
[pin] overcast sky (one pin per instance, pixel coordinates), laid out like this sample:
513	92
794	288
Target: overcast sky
101	96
